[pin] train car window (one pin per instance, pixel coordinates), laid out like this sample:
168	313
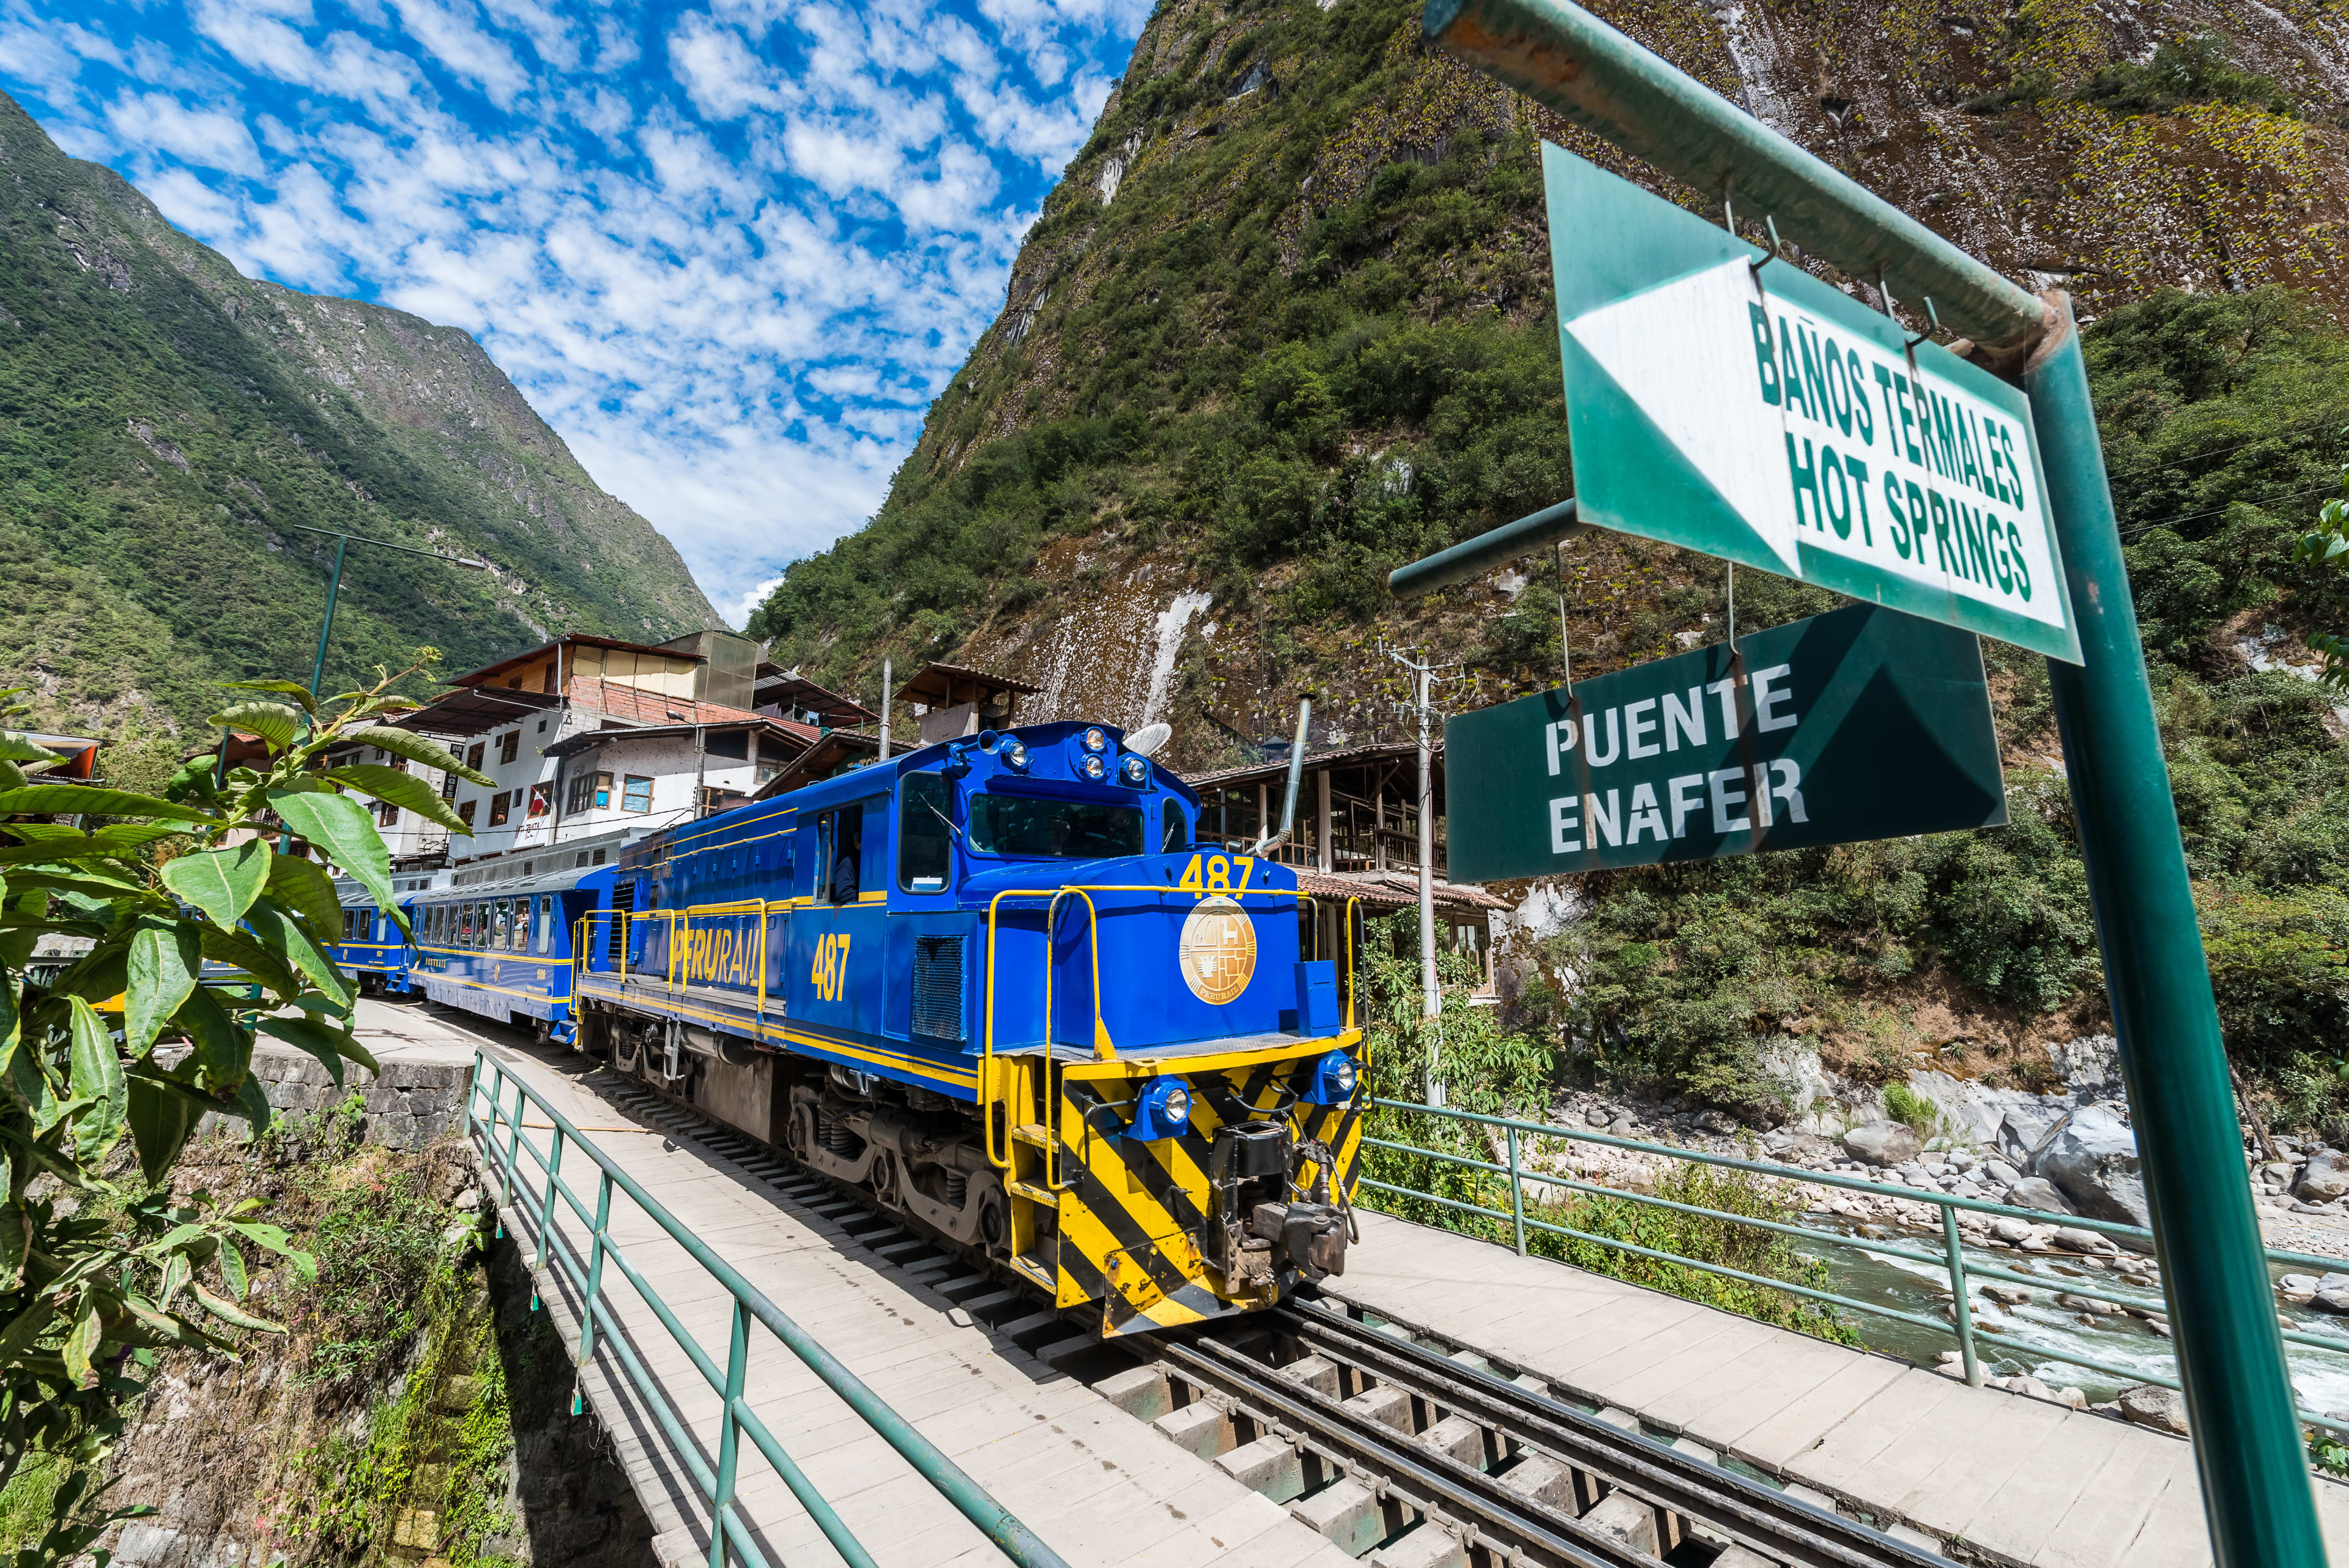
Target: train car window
1177	836
924	833
1027	828
502	920
546	922
522	926
464	925
848	853
482	924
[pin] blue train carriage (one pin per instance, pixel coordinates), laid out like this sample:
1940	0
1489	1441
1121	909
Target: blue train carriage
996	983
370	947
503	949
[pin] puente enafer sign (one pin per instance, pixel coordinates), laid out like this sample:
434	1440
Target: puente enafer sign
1861	723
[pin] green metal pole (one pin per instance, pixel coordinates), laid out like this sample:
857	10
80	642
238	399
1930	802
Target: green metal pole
1961	1310
2247	1443
1472	558
326	627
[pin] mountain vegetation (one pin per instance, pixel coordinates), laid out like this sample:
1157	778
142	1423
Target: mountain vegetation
1285	324
168	427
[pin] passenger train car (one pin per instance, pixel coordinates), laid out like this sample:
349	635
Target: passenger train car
996	984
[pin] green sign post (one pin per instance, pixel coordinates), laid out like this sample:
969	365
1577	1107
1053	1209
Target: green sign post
1751	411
2247	1448
1862	723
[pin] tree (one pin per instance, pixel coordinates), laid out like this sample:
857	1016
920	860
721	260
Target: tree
2328	545
145	944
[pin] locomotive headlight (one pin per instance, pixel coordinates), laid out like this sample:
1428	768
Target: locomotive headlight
1014	755
1096	739
1136	771
1332	1079
1093	768
1161	1110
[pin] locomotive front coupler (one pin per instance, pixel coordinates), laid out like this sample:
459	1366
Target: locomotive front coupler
1266	1223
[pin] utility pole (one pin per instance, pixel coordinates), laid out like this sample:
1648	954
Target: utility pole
887	680
1422	709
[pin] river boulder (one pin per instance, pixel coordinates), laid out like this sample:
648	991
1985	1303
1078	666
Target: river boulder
2091	1157
2038	1192
2326	1177
1883	1143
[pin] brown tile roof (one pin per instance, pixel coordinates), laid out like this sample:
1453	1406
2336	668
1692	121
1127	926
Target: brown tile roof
635	705
1393	889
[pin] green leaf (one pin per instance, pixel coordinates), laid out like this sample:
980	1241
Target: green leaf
240	951
329	1044
304	887
16	748
278	1241
11	1024
403	790
228	1312
417	748
165	955
26	1327
97	1077
90	881
28	1079
232	1268
341	827
300	693
160	1122
223	1051
223	883
273	722
252	1104
16	1241
177	1272
82	1343
287	941
90	800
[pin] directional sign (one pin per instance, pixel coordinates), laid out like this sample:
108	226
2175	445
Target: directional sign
1754	412
1861	723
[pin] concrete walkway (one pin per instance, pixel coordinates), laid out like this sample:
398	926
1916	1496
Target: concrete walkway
1986	1473
1096	1484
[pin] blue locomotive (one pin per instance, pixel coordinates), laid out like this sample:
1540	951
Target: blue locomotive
996	984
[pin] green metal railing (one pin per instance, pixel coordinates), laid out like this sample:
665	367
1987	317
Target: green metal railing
1951	1258
730	1534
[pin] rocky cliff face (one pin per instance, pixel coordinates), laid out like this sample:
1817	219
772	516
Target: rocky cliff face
1283	325
165	422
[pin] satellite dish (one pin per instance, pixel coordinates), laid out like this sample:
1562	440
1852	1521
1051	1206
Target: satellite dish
1146	740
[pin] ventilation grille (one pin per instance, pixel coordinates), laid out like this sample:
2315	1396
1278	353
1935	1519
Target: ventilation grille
937	988
624	901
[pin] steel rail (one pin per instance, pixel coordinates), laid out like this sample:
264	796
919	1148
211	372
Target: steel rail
1762	1515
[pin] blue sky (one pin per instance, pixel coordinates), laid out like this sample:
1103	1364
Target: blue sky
729	250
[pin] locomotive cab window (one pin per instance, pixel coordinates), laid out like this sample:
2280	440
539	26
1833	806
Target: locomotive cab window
1176	837
924	833
1024	827
843	842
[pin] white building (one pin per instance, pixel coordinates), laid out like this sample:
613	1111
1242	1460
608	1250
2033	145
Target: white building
586	737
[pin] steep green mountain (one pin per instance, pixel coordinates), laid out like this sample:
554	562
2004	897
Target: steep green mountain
1286	324
165	423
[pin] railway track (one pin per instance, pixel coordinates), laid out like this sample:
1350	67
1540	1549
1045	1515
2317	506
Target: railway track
1406	1455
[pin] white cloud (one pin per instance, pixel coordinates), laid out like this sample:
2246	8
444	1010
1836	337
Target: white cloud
729	251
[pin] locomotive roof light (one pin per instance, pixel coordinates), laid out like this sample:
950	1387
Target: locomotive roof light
1330	1082
1014	755
1092	767
1096	739
1162	1110
1136	772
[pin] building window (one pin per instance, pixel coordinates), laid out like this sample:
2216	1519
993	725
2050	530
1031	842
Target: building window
465	812
508	745
637	794
498	807
589	792
386	814
542	799
473	757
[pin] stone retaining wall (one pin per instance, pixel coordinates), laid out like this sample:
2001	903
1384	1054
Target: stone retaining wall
409	1106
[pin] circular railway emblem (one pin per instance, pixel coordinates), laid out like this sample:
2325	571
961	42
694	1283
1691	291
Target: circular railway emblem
1218	950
